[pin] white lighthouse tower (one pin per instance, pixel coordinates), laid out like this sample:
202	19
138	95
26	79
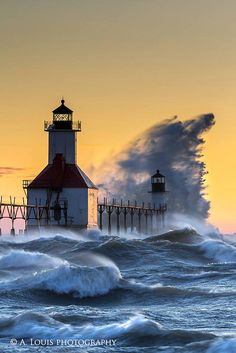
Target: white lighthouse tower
62	186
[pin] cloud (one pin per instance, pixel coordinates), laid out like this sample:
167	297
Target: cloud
8	170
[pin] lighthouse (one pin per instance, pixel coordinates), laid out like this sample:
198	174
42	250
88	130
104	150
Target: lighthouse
158	193
159	198
62	187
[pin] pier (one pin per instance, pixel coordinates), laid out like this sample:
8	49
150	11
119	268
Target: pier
24	212
113	216
123	216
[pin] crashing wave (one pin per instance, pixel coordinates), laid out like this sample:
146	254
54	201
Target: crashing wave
50	273
133	329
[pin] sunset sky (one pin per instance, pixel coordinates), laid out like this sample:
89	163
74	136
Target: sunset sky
122	66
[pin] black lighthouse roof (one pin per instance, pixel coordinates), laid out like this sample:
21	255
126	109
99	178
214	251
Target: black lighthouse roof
62	109
158	175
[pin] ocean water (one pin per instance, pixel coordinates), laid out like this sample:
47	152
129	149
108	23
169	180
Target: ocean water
168	293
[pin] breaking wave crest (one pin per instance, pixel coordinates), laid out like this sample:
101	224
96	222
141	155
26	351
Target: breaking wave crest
80	281
134	329
213	247
49	273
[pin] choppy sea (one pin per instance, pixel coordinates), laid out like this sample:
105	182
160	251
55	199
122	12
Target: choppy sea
169	293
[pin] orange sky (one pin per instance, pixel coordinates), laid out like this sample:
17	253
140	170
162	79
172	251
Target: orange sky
121	66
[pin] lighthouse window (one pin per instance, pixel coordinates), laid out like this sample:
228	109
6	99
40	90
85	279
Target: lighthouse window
158	180
61	117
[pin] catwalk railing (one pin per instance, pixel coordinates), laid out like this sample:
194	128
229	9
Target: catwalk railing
130	216
42	214
112	216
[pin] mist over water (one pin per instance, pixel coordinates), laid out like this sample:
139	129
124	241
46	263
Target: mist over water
174	147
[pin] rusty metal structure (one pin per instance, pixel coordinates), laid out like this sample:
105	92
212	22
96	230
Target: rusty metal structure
113	217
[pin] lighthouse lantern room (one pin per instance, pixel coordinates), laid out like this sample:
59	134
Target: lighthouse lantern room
62	183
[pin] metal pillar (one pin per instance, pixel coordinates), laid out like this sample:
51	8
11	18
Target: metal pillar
139	220
146	221
118	220
109	212
101	209
132	219
125	219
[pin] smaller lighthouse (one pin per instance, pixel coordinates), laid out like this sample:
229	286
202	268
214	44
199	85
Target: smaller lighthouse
159	194
62	187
